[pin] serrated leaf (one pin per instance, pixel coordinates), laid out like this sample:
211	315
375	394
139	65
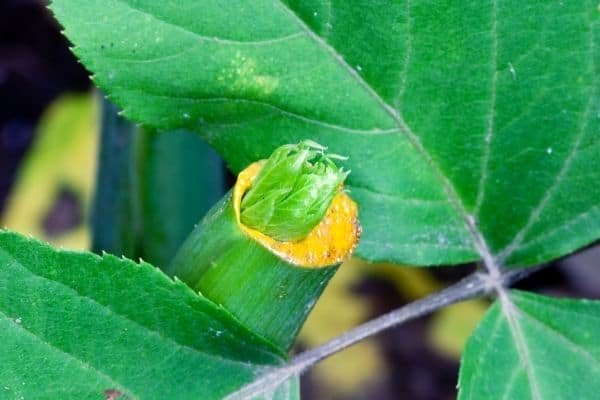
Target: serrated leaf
78	326
452	113
534	347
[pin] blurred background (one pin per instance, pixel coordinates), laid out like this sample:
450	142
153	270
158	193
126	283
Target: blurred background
74	173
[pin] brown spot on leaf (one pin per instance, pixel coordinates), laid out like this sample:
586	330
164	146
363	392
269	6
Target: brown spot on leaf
112	394
65	214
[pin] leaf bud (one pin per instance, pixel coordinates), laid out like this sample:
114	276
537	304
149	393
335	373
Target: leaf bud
293	191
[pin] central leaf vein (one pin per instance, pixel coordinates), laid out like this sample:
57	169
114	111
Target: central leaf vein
511	314
489	133
593	361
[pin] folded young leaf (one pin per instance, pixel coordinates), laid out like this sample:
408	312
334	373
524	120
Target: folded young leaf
534	347
452	114
79	326
292	192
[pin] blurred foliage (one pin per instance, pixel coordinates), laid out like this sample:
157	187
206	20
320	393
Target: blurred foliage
351	373
451	326
410	283
51	196
181	178
338	310
152	188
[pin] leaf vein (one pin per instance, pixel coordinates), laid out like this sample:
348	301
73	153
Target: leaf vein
510	383
511	314
549	193
208	38
395	196
407	56
125	318
551	232
483	353
312	121
490	117
479	243
576	347
74	357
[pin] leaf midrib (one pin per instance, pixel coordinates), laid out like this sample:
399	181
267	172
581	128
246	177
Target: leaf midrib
395	115
491	114
510	313
482	353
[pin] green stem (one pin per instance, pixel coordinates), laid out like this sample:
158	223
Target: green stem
268	284
268	294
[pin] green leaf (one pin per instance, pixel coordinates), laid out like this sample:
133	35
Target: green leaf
534	347
152	188
459	118
76	325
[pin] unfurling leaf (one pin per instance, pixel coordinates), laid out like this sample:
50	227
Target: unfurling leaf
292	191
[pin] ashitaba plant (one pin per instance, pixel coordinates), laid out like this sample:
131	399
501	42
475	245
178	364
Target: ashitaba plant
469	131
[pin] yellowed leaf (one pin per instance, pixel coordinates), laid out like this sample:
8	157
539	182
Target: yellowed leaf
451	326
63	155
